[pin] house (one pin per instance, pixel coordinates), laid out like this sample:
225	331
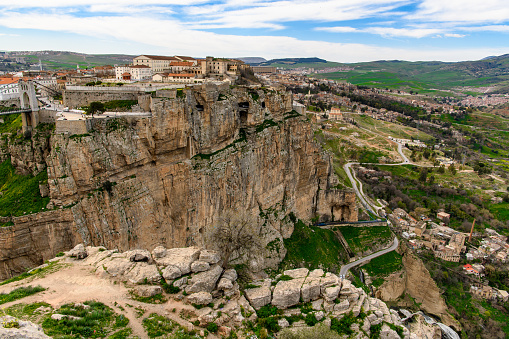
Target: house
443	216
335	114
9	88
503	295
140	72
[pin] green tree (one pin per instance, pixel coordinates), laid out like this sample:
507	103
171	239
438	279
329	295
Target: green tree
95	107
452	169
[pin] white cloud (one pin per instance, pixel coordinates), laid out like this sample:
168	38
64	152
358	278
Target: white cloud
385	31
454	35
74	3
337	29
461	11
272	14
173	38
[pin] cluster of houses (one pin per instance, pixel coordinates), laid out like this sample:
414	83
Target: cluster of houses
445	242
449	244
177	69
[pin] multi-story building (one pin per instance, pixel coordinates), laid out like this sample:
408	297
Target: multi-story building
141	72
156	62
135	73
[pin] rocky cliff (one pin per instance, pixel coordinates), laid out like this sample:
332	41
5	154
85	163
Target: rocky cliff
165	179
416	281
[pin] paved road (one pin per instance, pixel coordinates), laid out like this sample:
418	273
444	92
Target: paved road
347	267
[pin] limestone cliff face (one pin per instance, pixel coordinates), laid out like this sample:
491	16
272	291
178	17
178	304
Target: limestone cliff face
418	283
164	180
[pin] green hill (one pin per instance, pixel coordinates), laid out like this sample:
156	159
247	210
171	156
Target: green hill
69	60
428	76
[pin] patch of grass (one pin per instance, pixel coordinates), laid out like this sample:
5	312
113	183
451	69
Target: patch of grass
169	288
313	247
121	321
383	266
120	104
26	311
122	334
12	123
361	238
20	292
20	193
92	321
156	325
40	272
268	311
156	299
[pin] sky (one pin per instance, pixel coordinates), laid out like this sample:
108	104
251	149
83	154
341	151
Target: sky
335	30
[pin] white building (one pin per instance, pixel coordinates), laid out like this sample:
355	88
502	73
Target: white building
137	72
9	89
141	72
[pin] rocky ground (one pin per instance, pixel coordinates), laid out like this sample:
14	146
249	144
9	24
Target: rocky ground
190	288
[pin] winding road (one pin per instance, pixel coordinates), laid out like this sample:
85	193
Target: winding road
347	267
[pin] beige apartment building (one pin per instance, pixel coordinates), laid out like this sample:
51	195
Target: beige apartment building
156	62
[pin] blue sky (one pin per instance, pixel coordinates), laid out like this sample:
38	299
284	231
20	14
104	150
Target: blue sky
336	30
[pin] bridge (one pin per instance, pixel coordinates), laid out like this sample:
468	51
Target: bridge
369	223
29	104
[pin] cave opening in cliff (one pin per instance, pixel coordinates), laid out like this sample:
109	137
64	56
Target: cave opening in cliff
263	104
199	108
244	109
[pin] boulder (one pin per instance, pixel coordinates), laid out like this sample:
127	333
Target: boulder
318	273
143	273
283	323
200	298
224	284
180	282
388	333
248	308
319	315
331	293
24	329
259	297
171	272
180	257
139	257
199	266
342	306
287	293
148	291
297	273
211	257
230	274
311	289
329	280
204	281
117	266
224	331
317	304
159	252
78	252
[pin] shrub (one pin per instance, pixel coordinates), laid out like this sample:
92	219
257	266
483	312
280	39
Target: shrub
212	327
310	319
267	311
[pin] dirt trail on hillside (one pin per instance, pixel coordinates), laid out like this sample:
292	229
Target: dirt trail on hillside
78	283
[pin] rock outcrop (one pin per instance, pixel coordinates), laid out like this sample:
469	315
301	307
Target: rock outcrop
415	280
166	179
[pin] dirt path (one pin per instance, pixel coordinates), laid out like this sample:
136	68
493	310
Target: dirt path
78	283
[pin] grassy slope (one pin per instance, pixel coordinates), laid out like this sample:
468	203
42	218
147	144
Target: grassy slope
361	238
69	60
313	247
20	193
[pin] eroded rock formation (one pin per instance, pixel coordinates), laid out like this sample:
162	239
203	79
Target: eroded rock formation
165	179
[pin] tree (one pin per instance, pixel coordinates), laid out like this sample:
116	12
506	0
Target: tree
452	169
423	175
235	235
95	107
